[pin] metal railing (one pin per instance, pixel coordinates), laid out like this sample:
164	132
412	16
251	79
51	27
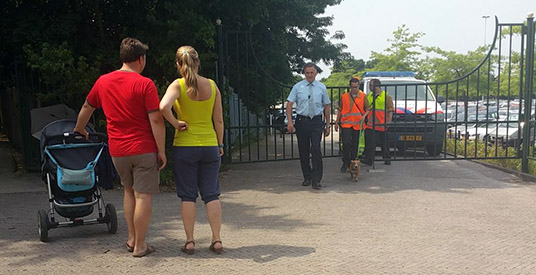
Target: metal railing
256	128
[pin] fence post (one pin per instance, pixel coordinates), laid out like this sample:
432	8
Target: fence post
529	72
220	81
219	43
24	108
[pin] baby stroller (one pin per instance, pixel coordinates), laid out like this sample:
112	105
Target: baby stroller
68	169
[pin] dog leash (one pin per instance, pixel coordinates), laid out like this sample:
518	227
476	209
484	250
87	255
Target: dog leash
361	142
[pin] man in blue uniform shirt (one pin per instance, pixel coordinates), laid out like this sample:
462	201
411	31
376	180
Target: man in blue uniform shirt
311	98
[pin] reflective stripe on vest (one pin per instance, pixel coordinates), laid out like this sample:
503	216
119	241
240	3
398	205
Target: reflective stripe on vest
350	114
376	119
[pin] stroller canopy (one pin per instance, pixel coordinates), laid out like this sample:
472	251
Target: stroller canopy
55	128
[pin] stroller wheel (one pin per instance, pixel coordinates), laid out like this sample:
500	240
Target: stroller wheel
111	218
42	222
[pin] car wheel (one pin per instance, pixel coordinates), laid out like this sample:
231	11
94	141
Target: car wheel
434	150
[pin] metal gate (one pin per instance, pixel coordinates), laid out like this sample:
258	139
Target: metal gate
483	114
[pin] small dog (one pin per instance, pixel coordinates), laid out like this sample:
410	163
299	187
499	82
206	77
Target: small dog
353	168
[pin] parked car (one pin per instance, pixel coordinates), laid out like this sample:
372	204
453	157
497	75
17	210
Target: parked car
509	133
479	130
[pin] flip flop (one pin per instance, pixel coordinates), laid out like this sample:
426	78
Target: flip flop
188	251
147	251
130	248
216	250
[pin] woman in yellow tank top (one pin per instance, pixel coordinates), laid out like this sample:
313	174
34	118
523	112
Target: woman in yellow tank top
198	144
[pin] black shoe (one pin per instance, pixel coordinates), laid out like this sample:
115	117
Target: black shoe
306	182
317	185
344	168
388	162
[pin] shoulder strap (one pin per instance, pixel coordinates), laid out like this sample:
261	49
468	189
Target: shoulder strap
357	105
212	87
182	92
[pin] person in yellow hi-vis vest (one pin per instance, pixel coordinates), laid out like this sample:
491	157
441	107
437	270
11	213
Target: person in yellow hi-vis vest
381	113
351	112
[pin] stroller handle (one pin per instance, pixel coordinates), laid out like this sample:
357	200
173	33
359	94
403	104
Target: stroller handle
76	135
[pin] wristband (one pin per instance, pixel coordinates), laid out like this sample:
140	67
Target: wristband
220	145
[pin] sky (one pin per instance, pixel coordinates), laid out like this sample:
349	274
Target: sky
454	25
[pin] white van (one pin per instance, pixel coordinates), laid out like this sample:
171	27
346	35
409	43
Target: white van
418	120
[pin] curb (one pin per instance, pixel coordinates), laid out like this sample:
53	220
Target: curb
524	176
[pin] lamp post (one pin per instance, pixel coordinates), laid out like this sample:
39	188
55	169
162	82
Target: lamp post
485	26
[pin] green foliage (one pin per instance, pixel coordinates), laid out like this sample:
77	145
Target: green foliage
504	157
449	65
69	44
88	33
402	55
439	66
344	70
282	37
64	78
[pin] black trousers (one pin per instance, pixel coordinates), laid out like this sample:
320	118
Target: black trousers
372	138
309	133
350	143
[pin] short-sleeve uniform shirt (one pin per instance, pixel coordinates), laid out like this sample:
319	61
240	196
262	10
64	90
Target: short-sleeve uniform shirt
303	92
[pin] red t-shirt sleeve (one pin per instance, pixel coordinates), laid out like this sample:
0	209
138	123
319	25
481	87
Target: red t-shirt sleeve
93	96
152	101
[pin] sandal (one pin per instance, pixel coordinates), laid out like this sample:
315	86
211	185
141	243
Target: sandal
186	250
130	248
216	250
147	251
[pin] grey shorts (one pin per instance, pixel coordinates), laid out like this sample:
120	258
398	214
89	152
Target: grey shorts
139	172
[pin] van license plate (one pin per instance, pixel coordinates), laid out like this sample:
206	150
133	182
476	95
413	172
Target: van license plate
410	138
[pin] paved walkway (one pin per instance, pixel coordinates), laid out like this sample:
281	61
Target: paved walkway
417	217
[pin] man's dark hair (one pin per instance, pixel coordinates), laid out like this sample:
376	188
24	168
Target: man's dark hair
353	80
310	64
376	82
131	49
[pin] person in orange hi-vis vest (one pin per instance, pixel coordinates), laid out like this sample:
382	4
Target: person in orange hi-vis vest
381	113
350	115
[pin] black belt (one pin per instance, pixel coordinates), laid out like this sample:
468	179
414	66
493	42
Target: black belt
308	118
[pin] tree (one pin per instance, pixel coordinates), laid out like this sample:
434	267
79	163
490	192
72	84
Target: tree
275	39
402	55
446	66
85	35
343	71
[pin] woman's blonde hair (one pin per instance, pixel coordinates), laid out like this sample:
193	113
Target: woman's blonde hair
188	61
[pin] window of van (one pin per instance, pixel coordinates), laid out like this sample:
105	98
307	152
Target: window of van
408	91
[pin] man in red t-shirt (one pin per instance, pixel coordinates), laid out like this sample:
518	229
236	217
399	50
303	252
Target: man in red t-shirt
136	136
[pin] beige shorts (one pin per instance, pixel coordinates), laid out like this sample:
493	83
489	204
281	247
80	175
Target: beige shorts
139	172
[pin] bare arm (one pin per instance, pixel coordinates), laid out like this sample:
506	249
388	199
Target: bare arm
159	133
217	119
290	123
83	118
172	94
